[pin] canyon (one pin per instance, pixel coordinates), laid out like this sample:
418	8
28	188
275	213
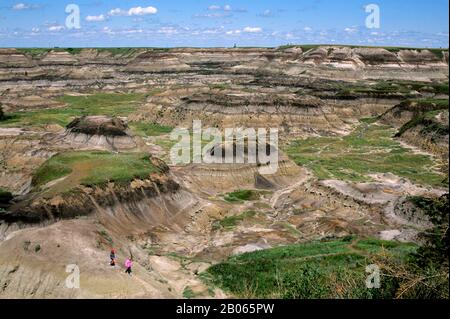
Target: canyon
85	161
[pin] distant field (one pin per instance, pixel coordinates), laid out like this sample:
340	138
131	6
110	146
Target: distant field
112	104
369	149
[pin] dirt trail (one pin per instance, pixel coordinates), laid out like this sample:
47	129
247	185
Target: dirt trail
289	189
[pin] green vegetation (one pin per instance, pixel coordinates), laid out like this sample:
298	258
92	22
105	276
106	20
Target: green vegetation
369	149
150	129
37	248
112	104
220	86
424	112
422	105
329	269
35	52
390	87
93	168
437	242
188	293
232	221
5	196
104	235
243	195
429	126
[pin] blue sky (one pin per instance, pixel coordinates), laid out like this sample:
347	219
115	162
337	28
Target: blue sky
210	23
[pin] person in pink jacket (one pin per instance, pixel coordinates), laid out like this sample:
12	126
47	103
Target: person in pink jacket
128	265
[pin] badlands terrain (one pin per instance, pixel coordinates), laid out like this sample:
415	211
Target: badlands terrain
85	167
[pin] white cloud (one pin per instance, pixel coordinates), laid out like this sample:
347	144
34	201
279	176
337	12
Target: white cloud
351	30
35	30
24	6
231	32
96	18
214	7
227	7
56	28
117	12
307	29
139	11
135	11
252	29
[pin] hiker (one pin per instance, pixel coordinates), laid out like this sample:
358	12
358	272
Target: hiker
128	265
112	256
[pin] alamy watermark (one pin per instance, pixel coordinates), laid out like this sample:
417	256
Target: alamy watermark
373	20
233	146
373	279
73	280
73	18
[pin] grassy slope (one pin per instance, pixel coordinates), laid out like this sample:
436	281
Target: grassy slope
334	269
113	104
369	149
231	221
93	168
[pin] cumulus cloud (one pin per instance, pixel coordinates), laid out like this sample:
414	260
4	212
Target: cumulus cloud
135	11
96	18
139	11
252	29
56	28
24	6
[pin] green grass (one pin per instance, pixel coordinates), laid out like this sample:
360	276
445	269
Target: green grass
93	168
150	129
429	126
331	269
424	112
231	221
220	86
242	195
112	104
388	88
369	149
188	293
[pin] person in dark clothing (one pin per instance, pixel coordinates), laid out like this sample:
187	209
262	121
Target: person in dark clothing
112	256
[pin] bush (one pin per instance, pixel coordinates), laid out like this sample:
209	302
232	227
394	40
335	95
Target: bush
5	196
